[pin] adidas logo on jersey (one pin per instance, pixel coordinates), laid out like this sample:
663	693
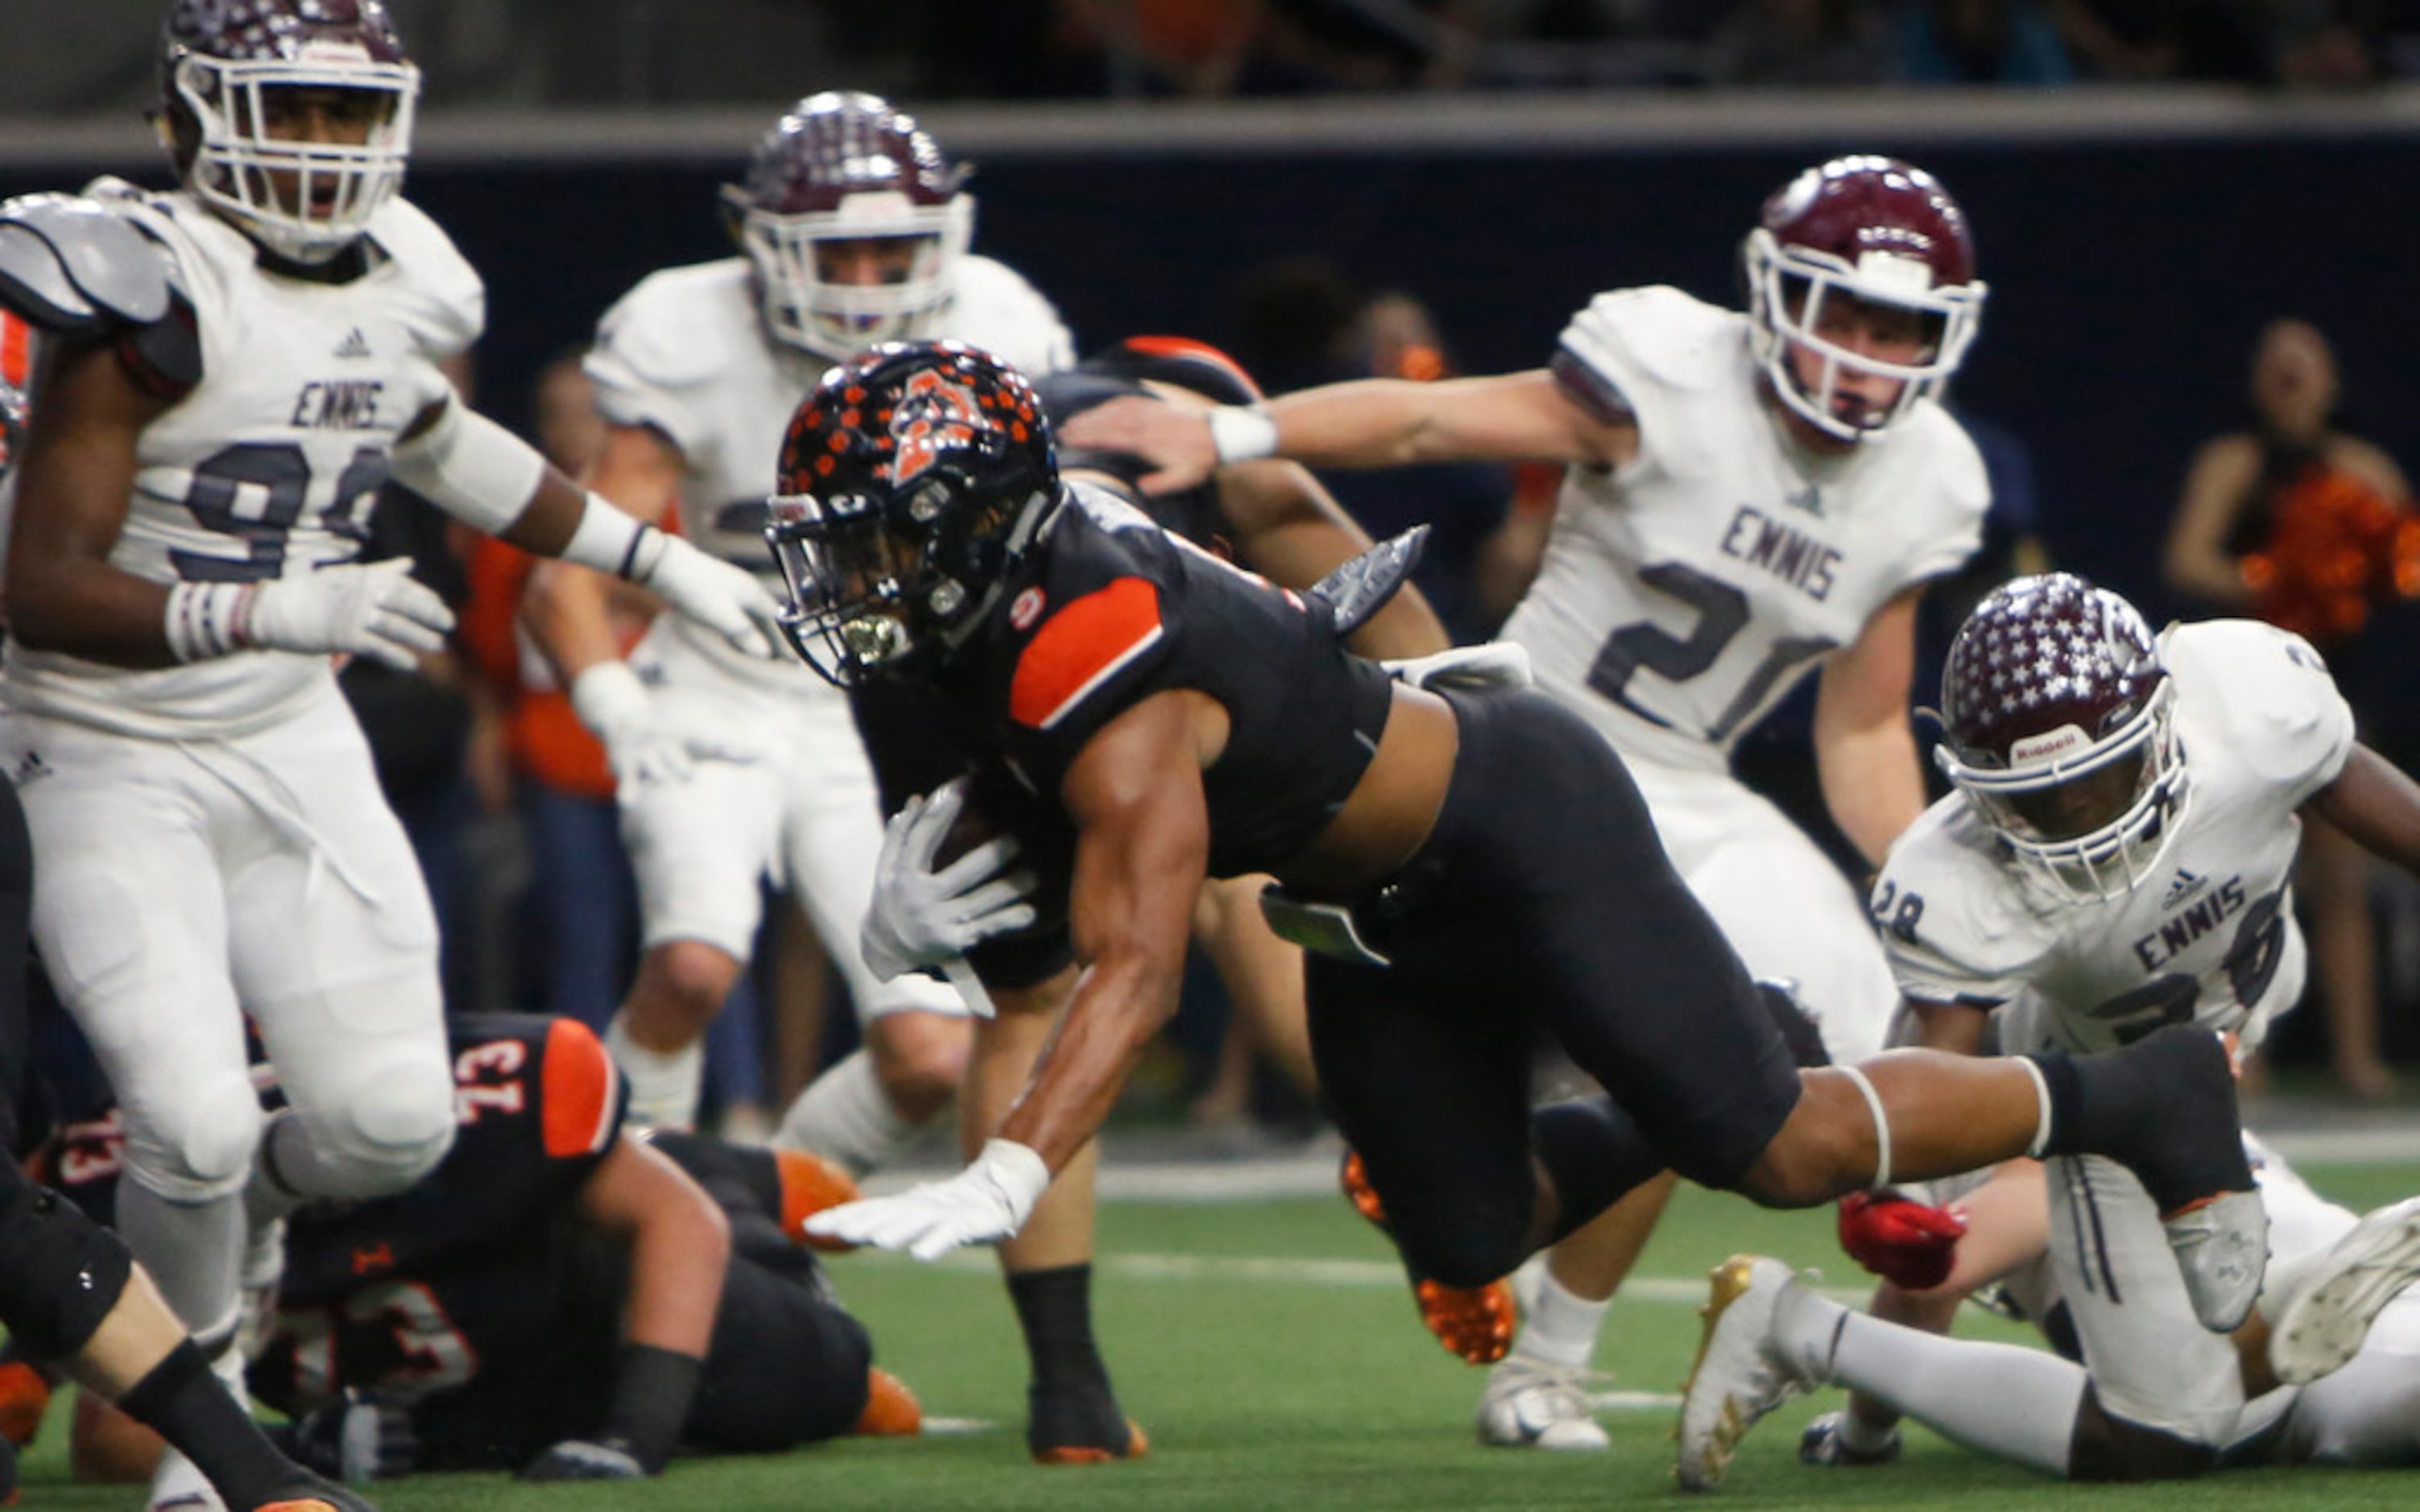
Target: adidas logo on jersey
2185	885
29	768
1809	499
354	345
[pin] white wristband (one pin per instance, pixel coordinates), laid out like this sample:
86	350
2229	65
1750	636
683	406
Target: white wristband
1017	1170
613	542
1241	433
205	620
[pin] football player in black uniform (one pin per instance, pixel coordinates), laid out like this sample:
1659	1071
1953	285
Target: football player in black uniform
557	1296
1466	863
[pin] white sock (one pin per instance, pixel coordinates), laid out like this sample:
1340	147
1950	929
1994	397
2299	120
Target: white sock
194	1251
844	1117
665	1089
2004	1399
1561	1325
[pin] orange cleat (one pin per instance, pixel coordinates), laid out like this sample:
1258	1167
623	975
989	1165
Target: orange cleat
891	1410
25	1398
1080	1425
811	1183
1476	1324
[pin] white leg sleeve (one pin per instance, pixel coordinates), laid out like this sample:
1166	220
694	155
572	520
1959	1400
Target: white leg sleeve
194	1251
844	1117
2004	1399
665	1089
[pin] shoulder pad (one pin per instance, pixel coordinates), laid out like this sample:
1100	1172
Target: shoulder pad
1658	332
679	327
73	265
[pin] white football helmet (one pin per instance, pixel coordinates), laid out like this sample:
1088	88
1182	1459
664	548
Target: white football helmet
222	63
848	168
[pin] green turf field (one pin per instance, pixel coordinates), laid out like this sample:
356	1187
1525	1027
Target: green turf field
1272	1355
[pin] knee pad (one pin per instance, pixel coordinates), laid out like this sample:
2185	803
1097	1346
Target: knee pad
388	1132
60	1272
1459	1243
200	1149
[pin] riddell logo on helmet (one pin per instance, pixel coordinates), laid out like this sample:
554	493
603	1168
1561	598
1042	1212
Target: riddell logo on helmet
933	414
2057	742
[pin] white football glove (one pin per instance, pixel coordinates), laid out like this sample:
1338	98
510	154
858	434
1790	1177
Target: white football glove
1488	664
640	744
987	1201
373	609
725	599
925	917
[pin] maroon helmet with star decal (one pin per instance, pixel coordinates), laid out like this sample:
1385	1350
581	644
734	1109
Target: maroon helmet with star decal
845	166
913	481
2057	724
223	67
1866	229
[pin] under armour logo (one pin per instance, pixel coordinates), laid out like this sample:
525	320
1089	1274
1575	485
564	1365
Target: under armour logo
2184	887
355	344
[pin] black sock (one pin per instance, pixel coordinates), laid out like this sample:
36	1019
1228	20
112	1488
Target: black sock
189	1408
2128	1104
1055	1308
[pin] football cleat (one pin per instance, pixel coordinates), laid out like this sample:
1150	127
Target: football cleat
24	1399
811	1183
321	1499
1530	1404
1080	1425
1739	1377
2324	1325
891	1410
2222	1249
1824	1444
1476	1324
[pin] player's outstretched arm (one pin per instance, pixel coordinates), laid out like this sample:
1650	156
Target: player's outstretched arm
1143	851
1373	423
484	475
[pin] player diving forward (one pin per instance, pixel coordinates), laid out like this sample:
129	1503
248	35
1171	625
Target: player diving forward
1748	496
2116	860
1170	718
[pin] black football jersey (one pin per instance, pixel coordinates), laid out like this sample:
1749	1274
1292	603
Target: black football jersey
469	1265
1110	609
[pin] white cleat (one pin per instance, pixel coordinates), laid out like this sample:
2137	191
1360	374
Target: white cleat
1529	1404
1740	1376
2324	1325
2222	1249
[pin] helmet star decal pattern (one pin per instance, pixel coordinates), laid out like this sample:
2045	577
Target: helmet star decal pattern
226	68
2055	716
841	170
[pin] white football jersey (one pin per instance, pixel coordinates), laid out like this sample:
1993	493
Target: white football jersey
686	354
2207	936
1685	592
269	466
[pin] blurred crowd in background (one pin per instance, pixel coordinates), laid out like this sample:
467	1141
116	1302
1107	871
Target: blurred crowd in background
95	56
